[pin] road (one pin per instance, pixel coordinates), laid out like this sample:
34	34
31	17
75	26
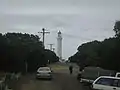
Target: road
62	80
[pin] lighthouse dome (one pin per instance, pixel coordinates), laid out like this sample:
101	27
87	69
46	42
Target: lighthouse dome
59	32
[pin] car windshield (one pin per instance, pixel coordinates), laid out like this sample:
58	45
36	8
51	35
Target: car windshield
43	69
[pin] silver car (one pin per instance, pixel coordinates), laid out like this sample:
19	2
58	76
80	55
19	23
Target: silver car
44	73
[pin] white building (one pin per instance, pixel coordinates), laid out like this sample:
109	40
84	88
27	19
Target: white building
59	45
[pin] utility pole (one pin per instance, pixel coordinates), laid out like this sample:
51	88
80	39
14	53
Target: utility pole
51	45
53	49
26	66
44	32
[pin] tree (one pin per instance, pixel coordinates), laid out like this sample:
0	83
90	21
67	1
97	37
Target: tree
18	50
117	28
51	56
3	53
87	53
104	54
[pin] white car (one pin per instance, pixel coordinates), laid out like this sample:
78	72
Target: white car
44	72
106	83
117	74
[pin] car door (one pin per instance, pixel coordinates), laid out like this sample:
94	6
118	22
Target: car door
104	84
118	86
115	84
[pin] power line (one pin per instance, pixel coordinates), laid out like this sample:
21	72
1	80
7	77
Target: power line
53	49
51	46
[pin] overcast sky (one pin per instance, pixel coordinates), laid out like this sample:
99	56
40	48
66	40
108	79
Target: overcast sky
80	21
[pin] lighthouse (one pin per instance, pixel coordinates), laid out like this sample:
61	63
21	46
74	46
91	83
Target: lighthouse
59	45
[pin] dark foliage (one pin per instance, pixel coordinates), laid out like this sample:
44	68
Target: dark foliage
105	54
18	50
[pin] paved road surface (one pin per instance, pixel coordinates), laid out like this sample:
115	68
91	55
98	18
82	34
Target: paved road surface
62	81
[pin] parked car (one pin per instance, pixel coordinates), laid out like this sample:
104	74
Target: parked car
89	74
117	74
106	83
79	75
44	72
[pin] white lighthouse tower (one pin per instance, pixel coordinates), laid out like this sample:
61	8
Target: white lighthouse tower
59	45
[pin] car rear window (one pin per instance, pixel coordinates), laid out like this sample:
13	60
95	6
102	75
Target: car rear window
105	81
108	82
44	69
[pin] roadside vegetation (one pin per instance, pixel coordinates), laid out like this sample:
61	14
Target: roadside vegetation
20	51
105	54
